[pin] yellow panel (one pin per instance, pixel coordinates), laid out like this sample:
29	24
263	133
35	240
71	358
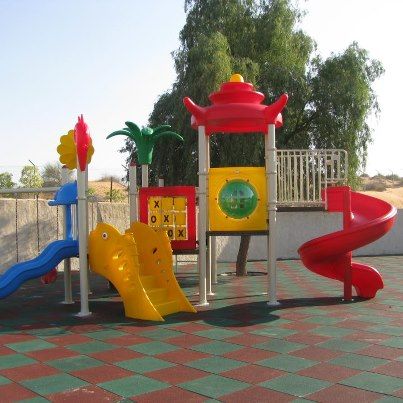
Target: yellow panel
154	218
167	219
219	221
167	203
154	203
180	233
180	218
180	203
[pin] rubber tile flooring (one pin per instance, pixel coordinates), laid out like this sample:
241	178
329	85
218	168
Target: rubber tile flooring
312	347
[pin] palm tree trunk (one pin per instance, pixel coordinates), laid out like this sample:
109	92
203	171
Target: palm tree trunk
242	256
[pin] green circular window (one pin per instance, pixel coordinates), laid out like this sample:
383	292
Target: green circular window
238	199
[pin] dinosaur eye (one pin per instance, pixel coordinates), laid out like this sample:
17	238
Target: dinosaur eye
104	235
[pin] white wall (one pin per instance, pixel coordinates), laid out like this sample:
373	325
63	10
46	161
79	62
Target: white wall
296	228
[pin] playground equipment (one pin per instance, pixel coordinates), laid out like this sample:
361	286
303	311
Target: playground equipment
365	219
52	255
139	265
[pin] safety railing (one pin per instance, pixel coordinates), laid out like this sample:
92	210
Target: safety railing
303	174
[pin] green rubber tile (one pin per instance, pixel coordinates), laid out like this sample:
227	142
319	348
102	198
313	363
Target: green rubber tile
53	384
393	342
4	381
160	334
389	399
287	363
214	386
215	364
343	345
374	382
91	347
390	330
279	346
218	334
133	385
216	347
144	364
34	400
153	348
331	331
106	334
295	385
71	364
271	331
31	345
49	332
356	361
15	360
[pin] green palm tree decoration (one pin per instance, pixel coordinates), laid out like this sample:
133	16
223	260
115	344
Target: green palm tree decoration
145	139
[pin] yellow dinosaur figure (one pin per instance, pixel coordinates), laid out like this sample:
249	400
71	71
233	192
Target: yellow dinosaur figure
139	264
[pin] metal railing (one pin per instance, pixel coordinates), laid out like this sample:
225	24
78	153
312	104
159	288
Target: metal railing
303	174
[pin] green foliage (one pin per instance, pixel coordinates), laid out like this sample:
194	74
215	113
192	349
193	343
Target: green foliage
115	195
52	174
6	180
30	177
91	192
330	100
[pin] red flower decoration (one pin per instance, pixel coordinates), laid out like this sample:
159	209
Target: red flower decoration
82	139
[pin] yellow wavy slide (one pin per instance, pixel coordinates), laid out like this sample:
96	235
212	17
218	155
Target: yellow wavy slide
139	264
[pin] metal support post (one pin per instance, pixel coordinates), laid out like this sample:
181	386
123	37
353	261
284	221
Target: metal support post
271	178
133	192
144	176
213	254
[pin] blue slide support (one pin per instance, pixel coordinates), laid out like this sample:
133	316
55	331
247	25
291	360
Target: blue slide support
50	257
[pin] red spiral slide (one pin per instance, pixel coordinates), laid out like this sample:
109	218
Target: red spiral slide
366	219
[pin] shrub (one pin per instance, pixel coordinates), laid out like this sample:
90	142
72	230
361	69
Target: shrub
115	195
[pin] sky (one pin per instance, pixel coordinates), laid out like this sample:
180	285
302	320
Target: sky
110	60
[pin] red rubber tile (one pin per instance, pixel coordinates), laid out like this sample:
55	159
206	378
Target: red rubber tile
26	372
393	368
353	324
316	353
51	354
69	339
85	394
84	328
191	327
182	357
253	374
136	329
172	394
250	354
102	373
6	351
13	392
257	394
119	354
301	326
15	338
379	351
177	374
307	338
328	372
343	394
368	337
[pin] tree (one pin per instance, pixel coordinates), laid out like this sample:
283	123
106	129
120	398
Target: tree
30	177
52	174
330	99
6	180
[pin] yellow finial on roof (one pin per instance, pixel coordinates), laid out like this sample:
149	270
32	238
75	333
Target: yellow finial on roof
236	78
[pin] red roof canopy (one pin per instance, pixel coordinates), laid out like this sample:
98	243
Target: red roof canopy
236	108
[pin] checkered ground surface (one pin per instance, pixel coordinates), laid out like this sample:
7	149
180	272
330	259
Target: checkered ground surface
311	348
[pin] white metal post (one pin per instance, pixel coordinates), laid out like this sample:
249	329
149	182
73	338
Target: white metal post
208	256
202	227
68	294
271	178
161	182
82	241
144	176
133	192
213	254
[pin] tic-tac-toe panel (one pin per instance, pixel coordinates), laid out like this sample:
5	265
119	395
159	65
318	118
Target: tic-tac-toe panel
172	208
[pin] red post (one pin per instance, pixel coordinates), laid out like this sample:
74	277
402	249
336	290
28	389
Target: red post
348	293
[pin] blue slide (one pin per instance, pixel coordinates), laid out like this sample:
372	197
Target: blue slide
50	257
